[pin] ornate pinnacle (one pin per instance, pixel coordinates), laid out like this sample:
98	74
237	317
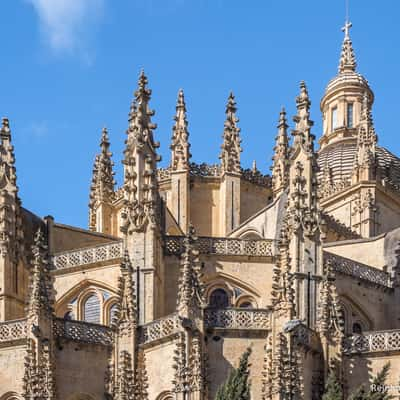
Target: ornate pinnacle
347	61
41	288
302	132
280	166
180	144
5	128
102	188
128	309
231	149
190	286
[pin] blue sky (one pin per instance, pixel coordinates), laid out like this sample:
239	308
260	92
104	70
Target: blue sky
69	67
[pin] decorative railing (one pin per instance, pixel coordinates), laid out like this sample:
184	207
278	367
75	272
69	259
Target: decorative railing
163	173
13	330
256	177
160	328
83	332
237	318
373	342
90	255
222	246
205	169
360	271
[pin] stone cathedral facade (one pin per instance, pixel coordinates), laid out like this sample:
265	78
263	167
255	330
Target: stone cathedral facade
182	268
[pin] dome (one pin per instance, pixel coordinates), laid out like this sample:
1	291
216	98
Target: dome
346	80
340	156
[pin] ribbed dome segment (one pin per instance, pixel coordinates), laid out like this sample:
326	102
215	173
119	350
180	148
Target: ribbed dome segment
339	157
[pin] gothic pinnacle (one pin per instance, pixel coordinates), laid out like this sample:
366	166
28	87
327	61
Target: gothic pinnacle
179	143
231	149
347	61
5	127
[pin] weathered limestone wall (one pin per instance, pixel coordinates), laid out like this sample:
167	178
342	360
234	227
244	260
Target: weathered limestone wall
159	367
204	206
371	304
366	251
81	368
66	238
224	354
252	199
253	277
69	285
12	360
361	369
388	214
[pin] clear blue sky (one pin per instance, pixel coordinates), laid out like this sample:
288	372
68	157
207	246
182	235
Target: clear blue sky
68	67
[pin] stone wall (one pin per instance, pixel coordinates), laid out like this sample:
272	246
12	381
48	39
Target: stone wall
12	360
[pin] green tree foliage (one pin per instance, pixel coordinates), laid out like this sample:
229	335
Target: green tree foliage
333	388
377	390
237	386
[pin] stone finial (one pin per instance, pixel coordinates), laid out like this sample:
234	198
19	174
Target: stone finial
41	296
190	285
180	138
128	305
302	132
102	186
5	128
140	164
280	159
230	148
347	61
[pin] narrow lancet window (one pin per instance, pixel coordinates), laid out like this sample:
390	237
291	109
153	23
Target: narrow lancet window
350	115
334	118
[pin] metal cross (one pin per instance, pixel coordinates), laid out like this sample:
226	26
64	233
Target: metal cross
346	29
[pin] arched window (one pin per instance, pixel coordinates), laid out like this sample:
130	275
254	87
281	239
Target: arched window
113	310
357	329
219	299
92	309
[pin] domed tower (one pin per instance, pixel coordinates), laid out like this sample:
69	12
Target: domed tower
359	181
342	103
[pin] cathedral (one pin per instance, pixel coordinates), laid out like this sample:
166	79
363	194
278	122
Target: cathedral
183	268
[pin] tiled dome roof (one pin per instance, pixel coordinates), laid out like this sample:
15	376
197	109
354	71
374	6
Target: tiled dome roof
340	158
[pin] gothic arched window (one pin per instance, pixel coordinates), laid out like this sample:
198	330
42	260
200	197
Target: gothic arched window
113	310
219	299
92	309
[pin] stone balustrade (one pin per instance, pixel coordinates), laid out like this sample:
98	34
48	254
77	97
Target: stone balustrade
90	255
81	331
160	328
13	330
360	271
237	318
373	342
222	246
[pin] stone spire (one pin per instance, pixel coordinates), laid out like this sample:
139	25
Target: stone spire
302	132
230	149
140	131
140	159
190	286
365	160
347	61
8	175
280	166
102	187
41	296
128	306
180	144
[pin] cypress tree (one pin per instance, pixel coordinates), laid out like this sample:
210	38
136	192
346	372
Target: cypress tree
237	386
333	388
